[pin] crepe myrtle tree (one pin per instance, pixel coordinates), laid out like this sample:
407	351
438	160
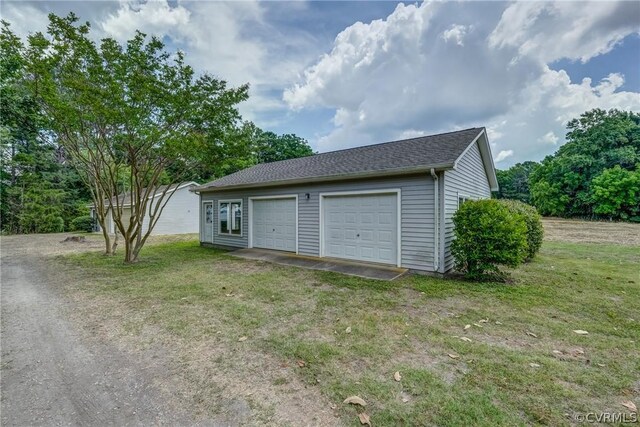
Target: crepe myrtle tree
127	115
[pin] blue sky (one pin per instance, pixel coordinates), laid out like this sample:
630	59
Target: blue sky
343	74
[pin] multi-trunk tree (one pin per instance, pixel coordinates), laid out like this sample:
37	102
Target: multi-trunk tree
132	118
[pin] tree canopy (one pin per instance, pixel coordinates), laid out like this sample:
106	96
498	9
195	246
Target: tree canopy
593	175
514	182
271	147
82	121
39	191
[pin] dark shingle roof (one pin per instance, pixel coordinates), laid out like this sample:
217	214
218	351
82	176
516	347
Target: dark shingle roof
440	151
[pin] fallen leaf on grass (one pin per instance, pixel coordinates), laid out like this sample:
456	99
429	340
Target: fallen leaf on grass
602	365
355	400
477	325
242	339
453	356
483	321
531	334
630	405
302	363
405	400
534	365
465	339
498	323
580	332
397	376
467	327
364	419
348	330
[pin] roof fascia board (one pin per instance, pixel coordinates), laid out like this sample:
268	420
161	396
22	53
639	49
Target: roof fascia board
344	177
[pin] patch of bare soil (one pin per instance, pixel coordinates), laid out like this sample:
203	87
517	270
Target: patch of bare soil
576	231
218	375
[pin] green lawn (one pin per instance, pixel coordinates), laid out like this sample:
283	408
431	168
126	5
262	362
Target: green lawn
519	362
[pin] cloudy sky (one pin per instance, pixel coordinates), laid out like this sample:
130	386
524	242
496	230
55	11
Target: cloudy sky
343	74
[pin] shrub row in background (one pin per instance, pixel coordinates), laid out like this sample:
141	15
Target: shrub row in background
491	233
82	223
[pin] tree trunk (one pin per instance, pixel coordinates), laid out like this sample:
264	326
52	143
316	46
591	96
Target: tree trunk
130	255
107	241
115	244
109	250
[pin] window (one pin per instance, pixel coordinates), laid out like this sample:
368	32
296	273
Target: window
230	217
208	215
462	199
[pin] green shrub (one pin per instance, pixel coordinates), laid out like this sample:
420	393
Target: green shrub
82	223
488	234
535	231
50	224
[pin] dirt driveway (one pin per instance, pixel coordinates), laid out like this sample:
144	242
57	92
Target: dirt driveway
51	373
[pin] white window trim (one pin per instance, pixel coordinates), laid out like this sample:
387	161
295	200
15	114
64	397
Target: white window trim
217	223
395	191
204	223
279	196
463	196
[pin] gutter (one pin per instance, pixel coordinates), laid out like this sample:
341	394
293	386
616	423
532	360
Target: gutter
340	177
436	220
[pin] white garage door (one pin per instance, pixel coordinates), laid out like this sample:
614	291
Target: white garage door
274	224
362	227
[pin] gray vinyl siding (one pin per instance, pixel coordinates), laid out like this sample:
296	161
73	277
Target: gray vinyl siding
468	179
417	222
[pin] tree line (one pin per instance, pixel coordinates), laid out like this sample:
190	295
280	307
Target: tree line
595	174
83	122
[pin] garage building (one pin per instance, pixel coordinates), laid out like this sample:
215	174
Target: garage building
389	203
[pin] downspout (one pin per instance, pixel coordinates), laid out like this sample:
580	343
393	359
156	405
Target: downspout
436	221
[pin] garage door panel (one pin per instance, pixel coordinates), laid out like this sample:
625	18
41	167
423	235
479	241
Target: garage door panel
274	224
385	236
350	234
385	218
367	236
367	252
361	227
366	218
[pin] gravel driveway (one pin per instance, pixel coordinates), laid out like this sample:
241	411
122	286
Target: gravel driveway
50	373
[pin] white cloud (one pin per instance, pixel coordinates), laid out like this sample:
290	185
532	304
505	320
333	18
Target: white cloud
553	30
549	138
534	125
210	32
426	68
225	39
455	33
24	18
153	17
418	70
503	155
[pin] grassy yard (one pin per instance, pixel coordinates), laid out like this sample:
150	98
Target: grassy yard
468	353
